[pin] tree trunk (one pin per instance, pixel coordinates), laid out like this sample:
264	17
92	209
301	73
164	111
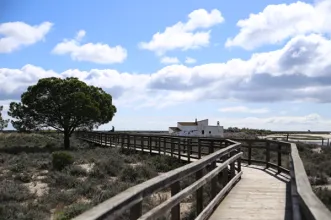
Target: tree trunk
66	140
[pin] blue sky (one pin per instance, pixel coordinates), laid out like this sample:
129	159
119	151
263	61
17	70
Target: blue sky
263	64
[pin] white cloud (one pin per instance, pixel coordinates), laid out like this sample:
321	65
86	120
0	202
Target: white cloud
169	60
91	52
19	34
298	72
80	35
277	23
185	36
190	60
244	109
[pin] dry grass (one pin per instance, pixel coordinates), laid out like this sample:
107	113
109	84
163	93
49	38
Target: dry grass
31	189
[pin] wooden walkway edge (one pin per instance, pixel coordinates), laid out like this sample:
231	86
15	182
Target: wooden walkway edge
260	194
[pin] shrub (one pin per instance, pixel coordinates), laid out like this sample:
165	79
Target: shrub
129	174
77	171
57	197
72	211
23	177
62	179
12	191
324	194
27	211
61	159
137	174
109	166
19	167
88	188
145	172
164	163
109	191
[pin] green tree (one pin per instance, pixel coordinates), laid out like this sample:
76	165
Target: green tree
63	104
3	122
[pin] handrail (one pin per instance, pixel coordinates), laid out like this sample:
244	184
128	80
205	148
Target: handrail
132	197
310	207
165	206
305	204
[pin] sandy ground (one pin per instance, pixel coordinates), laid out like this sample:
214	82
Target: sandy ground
304	139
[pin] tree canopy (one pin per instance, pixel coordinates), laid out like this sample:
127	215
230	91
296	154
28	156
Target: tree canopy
3	122
63	104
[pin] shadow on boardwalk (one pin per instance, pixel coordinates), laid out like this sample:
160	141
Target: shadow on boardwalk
260	194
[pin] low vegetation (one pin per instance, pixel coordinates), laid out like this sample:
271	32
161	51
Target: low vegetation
317	162
38	180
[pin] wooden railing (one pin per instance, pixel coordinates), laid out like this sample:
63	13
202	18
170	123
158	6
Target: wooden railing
282	156
271	154
221	168
305	203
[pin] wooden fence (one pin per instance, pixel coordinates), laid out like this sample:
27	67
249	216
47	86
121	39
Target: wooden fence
205	170
206	152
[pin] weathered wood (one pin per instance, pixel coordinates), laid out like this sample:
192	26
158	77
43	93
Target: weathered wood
179	196
310	205
232	166
210	207
279	157
135	194
172	147
249	153
175	211
199	148
199	193
258	195
136	211
267	154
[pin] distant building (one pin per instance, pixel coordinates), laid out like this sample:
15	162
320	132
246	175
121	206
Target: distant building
197	128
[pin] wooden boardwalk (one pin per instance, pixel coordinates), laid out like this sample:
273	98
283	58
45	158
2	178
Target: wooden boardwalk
260	194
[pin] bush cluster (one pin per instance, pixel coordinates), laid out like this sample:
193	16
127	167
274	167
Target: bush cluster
61	159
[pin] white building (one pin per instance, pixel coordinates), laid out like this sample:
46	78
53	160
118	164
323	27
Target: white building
197	128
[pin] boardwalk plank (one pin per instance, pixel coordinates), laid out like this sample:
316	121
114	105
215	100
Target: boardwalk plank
258	195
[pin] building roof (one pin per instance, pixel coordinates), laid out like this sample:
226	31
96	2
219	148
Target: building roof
174	128
188	123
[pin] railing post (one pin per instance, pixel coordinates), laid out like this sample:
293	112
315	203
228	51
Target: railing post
150	144
172	147
249	153
267	154
213	181
136	211
142	143
164	145
239	161
199	193
179	149
232	166
175	211
199	148
211	147
122	141
279	158
128	142
188	150
225	172
135	142
158	144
